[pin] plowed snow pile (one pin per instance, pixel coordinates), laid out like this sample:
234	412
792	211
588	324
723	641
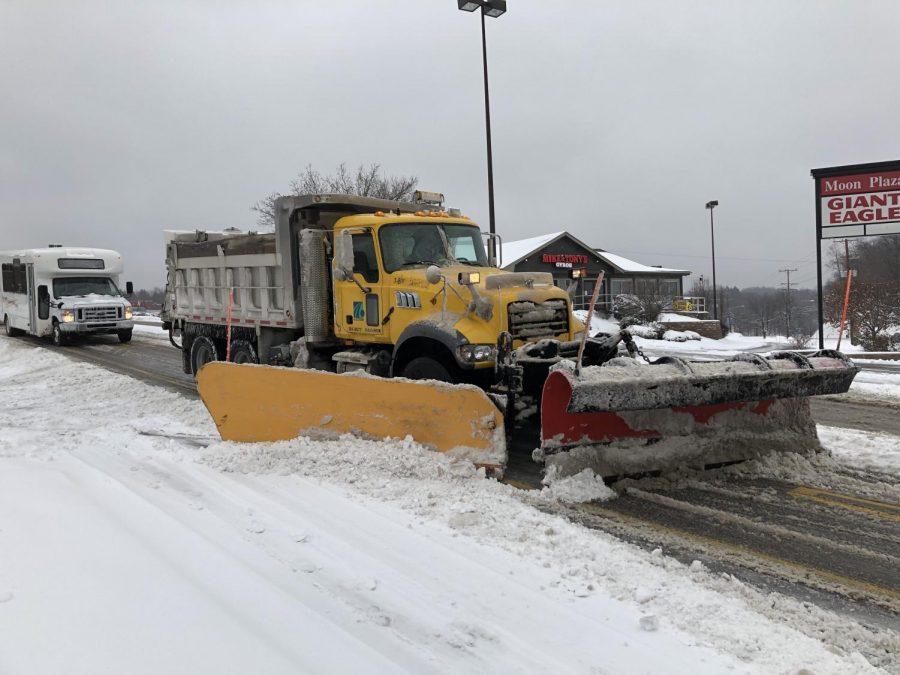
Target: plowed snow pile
132	540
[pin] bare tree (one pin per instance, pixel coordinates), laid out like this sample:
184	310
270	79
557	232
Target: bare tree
874	308
366	181
763	308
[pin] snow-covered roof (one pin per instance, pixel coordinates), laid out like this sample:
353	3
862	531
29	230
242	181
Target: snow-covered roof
514	251
627	265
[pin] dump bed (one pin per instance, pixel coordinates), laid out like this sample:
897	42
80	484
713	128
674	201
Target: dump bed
203	268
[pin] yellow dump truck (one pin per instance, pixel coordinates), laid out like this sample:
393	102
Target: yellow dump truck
353	283
384	318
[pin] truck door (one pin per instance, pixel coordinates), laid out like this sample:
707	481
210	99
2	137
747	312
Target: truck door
360	311
32	299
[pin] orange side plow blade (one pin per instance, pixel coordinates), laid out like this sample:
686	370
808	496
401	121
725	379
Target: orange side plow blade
252	403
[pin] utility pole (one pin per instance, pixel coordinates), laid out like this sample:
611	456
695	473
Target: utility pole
787	300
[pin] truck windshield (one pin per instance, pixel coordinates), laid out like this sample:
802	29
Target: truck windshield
76	286
422	244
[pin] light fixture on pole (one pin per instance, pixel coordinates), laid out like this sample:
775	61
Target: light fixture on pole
493	9
712	235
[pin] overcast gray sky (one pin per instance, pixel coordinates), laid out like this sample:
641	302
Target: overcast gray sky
614	120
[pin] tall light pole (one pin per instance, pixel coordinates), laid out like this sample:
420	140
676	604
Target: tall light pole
493	9
712	235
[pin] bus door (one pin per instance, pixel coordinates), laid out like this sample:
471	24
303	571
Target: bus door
32	299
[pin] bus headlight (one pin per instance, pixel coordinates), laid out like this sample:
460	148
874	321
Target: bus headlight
68	316
128	313
473	353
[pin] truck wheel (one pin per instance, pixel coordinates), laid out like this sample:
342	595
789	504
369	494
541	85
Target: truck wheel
243	352
426	368
124	335
10	331
57	336
203	350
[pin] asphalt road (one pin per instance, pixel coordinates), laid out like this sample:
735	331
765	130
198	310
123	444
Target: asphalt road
834	545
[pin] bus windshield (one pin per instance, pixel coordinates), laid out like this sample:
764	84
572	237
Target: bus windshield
423	244
81	286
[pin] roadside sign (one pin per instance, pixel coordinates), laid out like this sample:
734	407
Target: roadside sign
856	200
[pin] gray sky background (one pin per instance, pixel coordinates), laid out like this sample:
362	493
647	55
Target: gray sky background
614	120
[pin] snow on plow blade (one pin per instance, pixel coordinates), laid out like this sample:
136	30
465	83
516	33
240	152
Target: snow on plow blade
625	418
265	403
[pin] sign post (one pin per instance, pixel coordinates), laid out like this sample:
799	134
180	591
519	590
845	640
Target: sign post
857	200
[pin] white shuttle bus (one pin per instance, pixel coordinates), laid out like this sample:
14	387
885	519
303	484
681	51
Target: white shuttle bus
61	292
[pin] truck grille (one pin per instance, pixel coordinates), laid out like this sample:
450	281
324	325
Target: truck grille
94	314
535	320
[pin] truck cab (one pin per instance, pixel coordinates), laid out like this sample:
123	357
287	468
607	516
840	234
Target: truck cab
422	285
61	292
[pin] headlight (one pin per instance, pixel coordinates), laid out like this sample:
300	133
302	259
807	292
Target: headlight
68	316
473	353
469	278
128	313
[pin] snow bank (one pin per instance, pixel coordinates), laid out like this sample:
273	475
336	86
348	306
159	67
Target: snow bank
584	486
598	324
680	335
863	448
135	541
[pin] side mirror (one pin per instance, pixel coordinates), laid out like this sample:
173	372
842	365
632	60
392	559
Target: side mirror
129	288
433	274
343	255
43	302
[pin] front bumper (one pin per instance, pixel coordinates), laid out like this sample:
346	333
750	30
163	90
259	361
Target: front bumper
96	327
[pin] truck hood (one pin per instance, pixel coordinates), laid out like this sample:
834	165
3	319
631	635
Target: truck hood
75	301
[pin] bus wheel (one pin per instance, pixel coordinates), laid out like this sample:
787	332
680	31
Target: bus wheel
203	350
58	337
10	331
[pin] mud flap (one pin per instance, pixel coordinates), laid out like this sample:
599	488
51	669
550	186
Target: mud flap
624	418
253	403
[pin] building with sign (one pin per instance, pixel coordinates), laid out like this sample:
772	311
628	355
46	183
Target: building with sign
576	265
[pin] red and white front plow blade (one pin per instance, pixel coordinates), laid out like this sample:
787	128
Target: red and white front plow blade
626	419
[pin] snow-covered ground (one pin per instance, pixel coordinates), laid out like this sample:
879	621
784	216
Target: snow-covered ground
150	327
131	540
868	449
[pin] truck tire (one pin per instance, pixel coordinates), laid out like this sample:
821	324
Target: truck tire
426	368
242	351
203	350
10	331
124	335
57	336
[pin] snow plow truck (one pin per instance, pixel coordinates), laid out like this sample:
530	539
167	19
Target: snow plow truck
393	319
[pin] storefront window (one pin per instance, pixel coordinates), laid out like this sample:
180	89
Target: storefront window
621	286
668	288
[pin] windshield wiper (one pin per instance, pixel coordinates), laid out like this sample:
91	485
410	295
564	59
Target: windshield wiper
418	262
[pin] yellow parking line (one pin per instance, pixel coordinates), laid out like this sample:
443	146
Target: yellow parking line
871	507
